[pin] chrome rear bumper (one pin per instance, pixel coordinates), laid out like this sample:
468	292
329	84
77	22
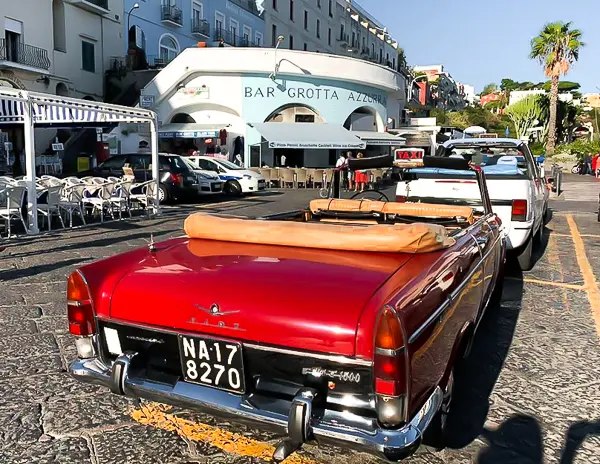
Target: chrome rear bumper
333	427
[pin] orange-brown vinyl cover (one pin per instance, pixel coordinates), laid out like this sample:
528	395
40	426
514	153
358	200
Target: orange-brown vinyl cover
396	238
404	209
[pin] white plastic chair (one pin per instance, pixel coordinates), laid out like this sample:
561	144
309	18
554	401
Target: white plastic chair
121	197
52	206
12	202
71	201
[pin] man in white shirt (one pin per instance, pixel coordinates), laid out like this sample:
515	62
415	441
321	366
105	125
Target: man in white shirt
340	161
282	161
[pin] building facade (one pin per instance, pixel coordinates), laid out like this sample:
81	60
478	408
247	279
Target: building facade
215	99
60	47
446	93
160	30
338	27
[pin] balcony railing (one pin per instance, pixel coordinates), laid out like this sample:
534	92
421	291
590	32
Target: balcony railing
201	27
137	62
26	55
249	6
344	38
172	14
231	39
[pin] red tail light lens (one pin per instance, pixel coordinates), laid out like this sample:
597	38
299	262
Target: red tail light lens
177	179
80	311
519	210
400	199
390	363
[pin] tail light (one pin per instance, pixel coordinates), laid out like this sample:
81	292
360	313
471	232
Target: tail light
177	179
390	369
79	306
519	210
400	199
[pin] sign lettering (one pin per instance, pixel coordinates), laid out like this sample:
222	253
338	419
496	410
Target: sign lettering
410	154
316	94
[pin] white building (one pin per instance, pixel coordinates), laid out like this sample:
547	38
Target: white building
469	92
59	47
238	99
329	26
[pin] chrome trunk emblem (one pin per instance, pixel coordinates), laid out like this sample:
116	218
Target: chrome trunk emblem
215	310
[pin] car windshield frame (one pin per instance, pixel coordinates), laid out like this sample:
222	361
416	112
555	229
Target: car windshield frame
522	170
229	165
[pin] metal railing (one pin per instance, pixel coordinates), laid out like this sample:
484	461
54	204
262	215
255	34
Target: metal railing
201	27
171	13
24	54
231	39
123	64
249	6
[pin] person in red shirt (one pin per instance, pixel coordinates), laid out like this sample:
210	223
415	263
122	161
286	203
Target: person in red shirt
595	166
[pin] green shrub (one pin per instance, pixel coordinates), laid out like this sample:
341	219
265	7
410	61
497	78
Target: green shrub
579	148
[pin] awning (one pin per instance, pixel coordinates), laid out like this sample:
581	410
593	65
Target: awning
380	138
189	131
49	111
308	135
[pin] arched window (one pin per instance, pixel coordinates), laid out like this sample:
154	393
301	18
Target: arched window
168	48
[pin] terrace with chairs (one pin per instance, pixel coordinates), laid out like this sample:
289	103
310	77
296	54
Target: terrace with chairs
313	178
72	201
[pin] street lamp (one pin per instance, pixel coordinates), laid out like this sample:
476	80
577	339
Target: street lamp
134	7
273	75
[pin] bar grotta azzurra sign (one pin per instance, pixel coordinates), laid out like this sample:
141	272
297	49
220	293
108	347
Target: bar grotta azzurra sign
321	93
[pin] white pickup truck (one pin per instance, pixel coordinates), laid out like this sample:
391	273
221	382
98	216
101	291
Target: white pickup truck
518	191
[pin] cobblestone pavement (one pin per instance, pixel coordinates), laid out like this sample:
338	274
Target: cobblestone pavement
530	393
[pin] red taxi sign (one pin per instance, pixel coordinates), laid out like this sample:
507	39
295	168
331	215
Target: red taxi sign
407	154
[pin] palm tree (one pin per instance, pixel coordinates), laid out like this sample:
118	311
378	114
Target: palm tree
556	48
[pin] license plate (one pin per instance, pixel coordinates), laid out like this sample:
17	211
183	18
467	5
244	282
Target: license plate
212	363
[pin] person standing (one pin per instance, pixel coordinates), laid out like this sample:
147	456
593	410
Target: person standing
596	165
282	161
350	173
360	177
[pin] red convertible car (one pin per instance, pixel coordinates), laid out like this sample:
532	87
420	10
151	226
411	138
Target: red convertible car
340	323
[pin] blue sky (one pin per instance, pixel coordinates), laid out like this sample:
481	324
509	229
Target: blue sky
483	41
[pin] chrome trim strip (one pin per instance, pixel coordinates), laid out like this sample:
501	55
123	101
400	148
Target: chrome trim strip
437	313
325	357
445	305
387	352
333	358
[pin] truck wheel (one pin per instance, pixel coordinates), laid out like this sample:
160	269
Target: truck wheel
436	434
525	258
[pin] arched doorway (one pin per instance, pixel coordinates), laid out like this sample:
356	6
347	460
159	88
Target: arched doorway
295	113
295	157
62	90
364	119
182	118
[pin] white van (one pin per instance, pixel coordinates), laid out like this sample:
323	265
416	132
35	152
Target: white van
517	189
238	180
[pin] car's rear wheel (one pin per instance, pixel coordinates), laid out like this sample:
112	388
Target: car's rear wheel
525	257
163	195
233	188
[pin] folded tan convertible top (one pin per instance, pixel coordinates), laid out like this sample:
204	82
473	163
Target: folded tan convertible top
402	209
383	238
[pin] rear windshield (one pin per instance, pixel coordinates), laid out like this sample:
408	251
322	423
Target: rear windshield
495	161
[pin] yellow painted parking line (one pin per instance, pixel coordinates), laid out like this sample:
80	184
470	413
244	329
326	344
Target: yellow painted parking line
591	287
157	415
550	283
